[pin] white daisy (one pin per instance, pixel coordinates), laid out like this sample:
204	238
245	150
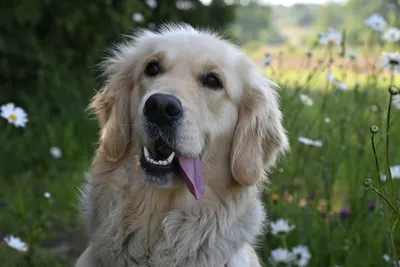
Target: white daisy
395	170
376	22
56	152
14	115
151	3
281	255
386	257
352	54
137	17
332	38
47	195
330	77
390	61
206	2
391	35
266	61
301	255
327	120
341	85
374	108
307	101
396	101
281	226
310	142
16	243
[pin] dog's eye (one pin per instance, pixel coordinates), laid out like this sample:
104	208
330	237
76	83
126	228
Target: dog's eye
152	69
212	80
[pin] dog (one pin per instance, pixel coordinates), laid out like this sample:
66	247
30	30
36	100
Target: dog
189	127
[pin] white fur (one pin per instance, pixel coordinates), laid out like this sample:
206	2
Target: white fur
238	132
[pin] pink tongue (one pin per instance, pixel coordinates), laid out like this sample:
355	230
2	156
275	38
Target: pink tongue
194	175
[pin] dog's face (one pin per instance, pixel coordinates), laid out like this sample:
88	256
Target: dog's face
172	97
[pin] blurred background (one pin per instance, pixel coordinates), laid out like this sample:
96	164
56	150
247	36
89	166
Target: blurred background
333	200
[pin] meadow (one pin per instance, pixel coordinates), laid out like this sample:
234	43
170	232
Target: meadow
329	203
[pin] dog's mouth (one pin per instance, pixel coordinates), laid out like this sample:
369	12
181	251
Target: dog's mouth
162	160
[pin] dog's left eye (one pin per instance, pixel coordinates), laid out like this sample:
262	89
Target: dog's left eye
212	80
152	69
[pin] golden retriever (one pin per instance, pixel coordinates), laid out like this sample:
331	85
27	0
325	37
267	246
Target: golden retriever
188	126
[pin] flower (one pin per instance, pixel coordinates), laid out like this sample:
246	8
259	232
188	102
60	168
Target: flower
307	101
47	195
14	115
330	77
372	205
344	213
16	243
331	38
391	35
376	22
281	226
151	3
327	120
310	142
275	197
281	255
386	257
137	17
56	152
267	60
396	101
341	85
352	54
301	255
374	108
390	61
395	170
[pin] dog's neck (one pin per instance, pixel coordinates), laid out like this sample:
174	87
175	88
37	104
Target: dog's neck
153	222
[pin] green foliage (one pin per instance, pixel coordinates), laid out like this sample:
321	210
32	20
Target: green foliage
49	51
253	23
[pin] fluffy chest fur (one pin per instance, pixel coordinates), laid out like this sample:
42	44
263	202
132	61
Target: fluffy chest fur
131	224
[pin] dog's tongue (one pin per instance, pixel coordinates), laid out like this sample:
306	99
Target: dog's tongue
194	175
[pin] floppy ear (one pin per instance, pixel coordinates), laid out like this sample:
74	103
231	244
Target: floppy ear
112	108
259	136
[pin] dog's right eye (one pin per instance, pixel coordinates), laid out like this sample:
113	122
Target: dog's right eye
152	69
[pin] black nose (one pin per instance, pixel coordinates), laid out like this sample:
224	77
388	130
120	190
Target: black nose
162	109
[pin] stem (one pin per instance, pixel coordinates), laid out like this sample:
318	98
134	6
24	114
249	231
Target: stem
389	173
385	205
383	196
283	240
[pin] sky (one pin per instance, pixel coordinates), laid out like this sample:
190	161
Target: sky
291	2
285	2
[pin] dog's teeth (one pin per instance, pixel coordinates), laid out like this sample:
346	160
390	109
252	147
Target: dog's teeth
148	158
170	158
146	152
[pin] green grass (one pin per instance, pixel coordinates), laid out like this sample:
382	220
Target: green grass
310	186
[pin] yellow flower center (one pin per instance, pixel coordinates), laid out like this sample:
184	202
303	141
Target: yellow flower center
13	117
331	42
275	197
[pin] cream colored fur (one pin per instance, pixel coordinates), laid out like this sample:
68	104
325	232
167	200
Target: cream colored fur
237	131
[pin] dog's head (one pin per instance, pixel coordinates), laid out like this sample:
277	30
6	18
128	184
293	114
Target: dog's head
180	98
